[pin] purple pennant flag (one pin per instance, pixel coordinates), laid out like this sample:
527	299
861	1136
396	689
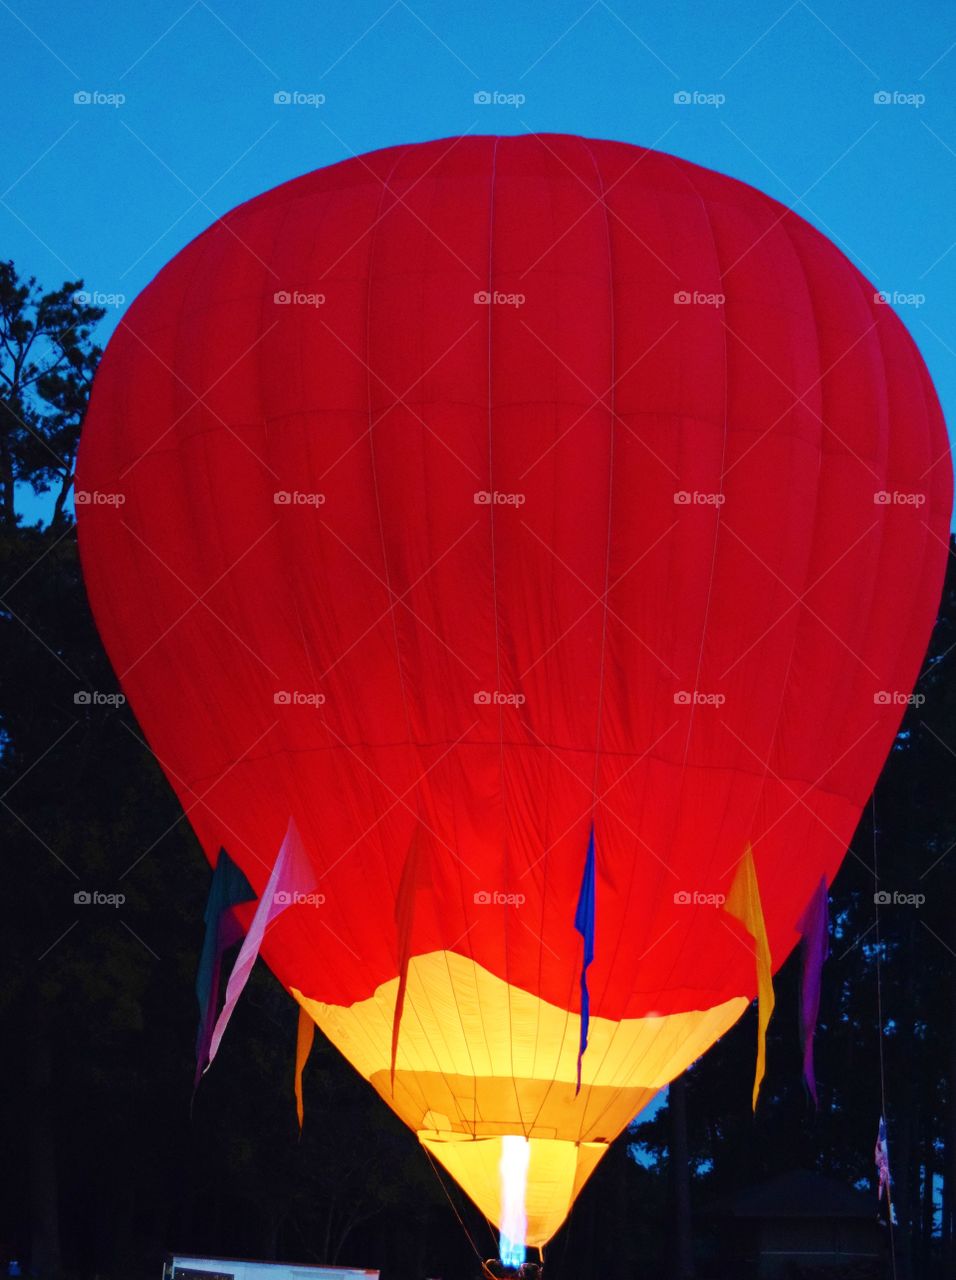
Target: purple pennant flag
293	877
815	949
228	933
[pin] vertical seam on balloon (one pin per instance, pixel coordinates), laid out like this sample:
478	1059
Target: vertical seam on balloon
407	1004
723	461
454	987
544	860
595	1072
494	591
180	423
846	682
612	336
652	1042
386	191
304	801
453	981
760	787
686	179
706	211
575	980
464	937
202	450
471	1122
265	950
795	636
263	286
293	592
787	229
726	386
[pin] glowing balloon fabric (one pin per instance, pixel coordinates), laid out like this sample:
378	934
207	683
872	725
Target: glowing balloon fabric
459	497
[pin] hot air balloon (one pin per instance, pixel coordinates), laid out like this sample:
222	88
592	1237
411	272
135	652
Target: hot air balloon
551	529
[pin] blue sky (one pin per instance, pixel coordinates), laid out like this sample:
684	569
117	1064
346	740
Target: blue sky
791	97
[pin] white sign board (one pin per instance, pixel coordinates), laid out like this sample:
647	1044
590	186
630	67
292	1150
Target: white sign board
181	1266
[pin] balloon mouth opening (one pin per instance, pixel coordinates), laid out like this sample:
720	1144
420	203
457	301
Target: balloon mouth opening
513	1170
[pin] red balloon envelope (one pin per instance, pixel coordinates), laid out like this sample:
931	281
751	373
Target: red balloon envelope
465	499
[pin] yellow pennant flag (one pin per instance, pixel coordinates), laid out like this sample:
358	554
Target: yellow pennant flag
303	1047
743	903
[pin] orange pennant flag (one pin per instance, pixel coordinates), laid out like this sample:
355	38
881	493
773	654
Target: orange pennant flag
743	903
305	1034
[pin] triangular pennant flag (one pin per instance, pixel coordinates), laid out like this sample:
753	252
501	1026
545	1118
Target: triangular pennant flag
414	875
228	888
584	924
881	1157
743	903
304	1036
293	877
813	927
228	935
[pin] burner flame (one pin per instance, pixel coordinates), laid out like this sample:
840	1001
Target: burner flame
515	1153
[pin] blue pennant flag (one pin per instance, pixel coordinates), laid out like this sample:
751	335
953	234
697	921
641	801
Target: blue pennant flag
229	887
584	923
